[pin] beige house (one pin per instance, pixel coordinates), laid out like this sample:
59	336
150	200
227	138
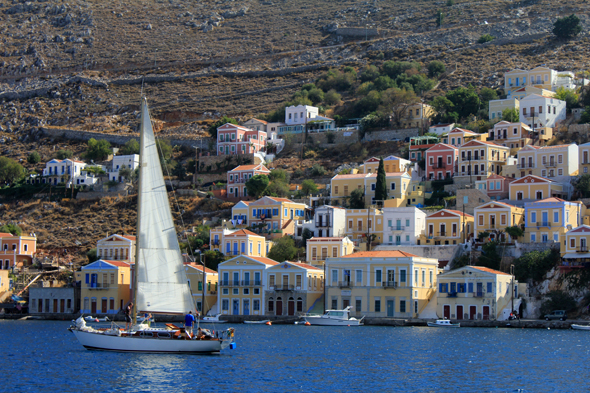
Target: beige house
105	286
194	273
117	248
476	293
548	161
318	249
343	185
480	159
414	116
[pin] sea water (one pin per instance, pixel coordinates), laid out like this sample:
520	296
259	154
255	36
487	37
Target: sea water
43	356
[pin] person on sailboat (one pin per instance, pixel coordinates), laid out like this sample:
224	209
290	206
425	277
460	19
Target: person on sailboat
189	321
128	310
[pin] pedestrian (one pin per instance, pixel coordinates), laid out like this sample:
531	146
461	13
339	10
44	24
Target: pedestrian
189	321
128	311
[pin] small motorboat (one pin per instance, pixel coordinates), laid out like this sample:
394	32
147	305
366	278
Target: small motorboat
213	319
260	322
90	318
333	318
580	327
443	323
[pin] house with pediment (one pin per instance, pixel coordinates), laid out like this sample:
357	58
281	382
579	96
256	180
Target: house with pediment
533	187
116	247
448	226
441	160
459	136
494	217
574	250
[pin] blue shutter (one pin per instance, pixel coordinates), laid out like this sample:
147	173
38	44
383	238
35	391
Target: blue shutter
87	278
227	248
489	287
453	287
243	248
253	212
470	287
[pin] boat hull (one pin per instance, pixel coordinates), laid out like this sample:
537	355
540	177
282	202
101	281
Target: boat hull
258	322
319	321
104	342
453	325
204	320
580	327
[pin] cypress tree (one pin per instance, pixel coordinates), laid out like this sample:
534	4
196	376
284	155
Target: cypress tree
381	185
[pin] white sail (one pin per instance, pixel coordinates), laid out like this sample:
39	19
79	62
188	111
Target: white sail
162	285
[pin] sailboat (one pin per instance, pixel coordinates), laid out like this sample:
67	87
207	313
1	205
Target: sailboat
160	283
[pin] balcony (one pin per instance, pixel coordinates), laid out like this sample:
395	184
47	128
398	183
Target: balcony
345	284
582	249
323	223
525	166
286	288
452	294
544	224
238	283
397	228
477	294
390	284
439	166
98	286
550	164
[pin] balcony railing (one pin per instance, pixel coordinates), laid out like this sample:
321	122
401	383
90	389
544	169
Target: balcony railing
345	284
397	228
285	288
98	285
439	166
544	224
323	223
525	166
478	294
238	283
390	284
550	164
582	249
452	294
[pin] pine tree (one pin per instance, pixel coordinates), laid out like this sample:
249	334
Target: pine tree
381	185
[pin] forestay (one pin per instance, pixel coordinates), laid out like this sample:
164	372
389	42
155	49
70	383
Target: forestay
162	285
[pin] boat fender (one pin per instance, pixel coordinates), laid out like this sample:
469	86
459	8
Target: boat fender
269	323
232	346
307	324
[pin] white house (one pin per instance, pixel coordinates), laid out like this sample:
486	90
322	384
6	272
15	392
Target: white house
539	111
403	225
327	221
301	116
119	162
62	171
440	129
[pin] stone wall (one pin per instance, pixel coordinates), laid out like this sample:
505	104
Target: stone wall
388	135
340	137
117	139
234	161
356	32
443	252
475	198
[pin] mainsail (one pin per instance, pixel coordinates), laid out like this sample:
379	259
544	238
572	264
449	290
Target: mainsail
162	285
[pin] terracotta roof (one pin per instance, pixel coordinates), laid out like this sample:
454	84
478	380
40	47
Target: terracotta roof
380	254
262	121
249	168
5	234
321	239
441	125
129	237
387	174
117	263
488	270
532	177
353	176
242	232
305	266
555	146
200	267
280	199
493	176
459	213
266	261
438	213
494	203
463	131
442	145
580	229
551	199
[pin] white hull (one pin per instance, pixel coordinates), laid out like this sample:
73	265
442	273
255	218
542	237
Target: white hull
451	325
138	344
319	321
265	321
211	320
580	327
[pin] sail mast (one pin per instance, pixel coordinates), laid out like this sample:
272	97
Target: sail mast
137	237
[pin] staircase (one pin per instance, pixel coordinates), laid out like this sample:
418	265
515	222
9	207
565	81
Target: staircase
317	306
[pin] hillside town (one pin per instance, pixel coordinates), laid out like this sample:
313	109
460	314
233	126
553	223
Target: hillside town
393	237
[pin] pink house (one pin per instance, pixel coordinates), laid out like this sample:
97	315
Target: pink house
233	139
237	178
440	161
495	186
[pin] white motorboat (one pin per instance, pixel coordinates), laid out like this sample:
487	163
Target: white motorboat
90	318
334	318
213	319
580	327
259	322
160	284
444	323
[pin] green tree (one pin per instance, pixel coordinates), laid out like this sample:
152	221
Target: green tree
332	98
13	229
98	150
582	185
381	183
280	175
368	104
128	173
92	255
317	170
130	147
558	300
357	199
212	259
309	187
568	95
489	256
511	115
224	120
306	235
179	171
34	158
370	73
10	170
485	38
384	83
486	95
515	231
316	95
436	68
277	189
465	101
63	154
283	249
534	265
567	27
393	69
256	185
397	101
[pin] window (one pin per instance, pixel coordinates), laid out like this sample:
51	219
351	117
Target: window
489	287
402	276
555	217
336	190
533	217
392	186
402	306
533	237
377	304
256	305
573	243
225	304
431	277
334	276
377	276
373	187
465	199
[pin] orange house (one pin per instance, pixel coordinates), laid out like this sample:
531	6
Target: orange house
16	251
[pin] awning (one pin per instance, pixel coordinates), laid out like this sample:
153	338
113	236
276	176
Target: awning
577	255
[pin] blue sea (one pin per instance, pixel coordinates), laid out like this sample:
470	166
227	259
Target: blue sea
44	356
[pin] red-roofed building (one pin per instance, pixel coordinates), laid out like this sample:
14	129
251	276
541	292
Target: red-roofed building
17	251
448	226
293	288
105	286
476	293
548	220
318	249
237	178
459	136
441	161
116	247
393	284
494	217
233	139
480	159
194	274
495	186
234	242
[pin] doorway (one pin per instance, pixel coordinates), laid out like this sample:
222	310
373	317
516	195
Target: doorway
472	312
486	313
279	306
236	307
246	306
390	308
447	311
459	312
291	306
93	306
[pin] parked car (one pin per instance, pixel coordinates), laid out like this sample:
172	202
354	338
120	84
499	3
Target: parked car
557	314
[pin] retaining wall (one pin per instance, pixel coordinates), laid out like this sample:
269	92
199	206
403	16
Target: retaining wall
388	135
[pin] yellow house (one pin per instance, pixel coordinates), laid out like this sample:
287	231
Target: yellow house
448	227
390	164
105	288
318	249
549	219
476	293
194	273
574	250
534	188
584	157
548	161
494	217
343	185
269	215
528	90
240	214
459	136
497	107
238	242
415	115
512	135
360	222
480	159
4	282
241	285
116	247
381	283
292	288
